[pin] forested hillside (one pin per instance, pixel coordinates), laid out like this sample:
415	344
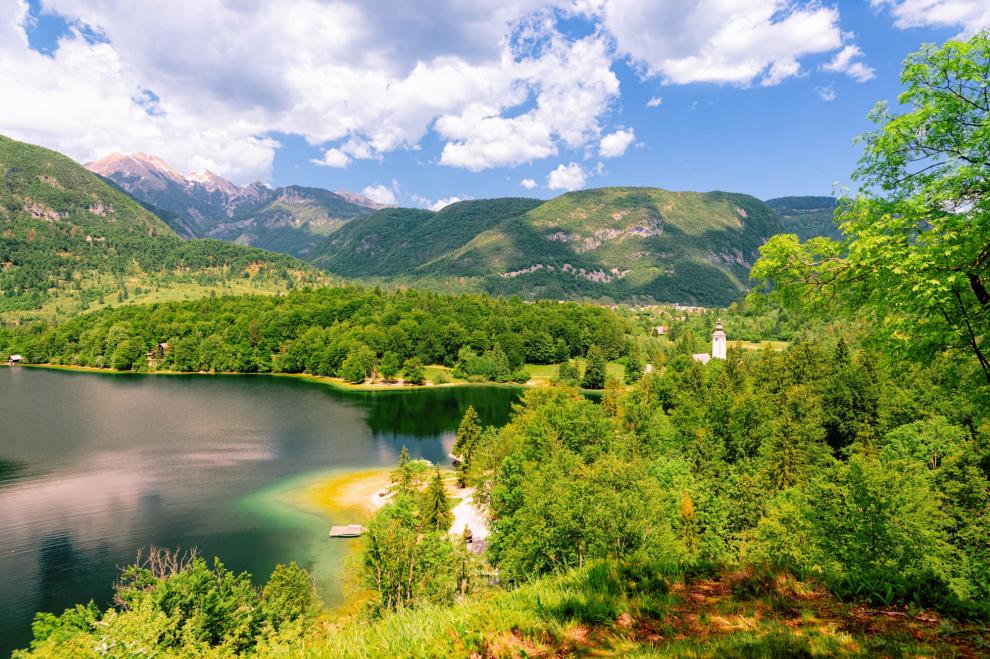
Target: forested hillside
620	244
808	217
72	242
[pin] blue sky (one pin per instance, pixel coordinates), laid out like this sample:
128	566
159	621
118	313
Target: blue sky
419	106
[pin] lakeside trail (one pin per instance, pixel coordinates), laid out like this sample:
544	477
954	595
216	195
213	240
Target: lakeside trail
468	514
353	498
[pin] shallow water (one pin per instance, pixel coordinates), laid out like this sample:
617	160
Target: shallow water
94	466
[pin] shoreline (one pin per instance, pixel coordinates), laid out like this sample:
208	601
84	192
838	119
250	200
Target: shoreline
335	383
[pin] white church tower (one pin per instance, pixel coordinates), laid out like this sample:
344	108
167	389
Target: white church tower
718	341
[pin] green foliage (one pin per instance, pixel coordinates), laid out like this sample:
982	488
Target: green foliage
594	370
569	374
868	528
289	595
412	369
435	509
358	364
406	560
388	365
915	247
173	604
317	331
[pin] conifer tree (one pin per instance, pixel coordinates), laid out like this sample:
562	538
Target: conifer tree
594	372
468	433
436	508
402	477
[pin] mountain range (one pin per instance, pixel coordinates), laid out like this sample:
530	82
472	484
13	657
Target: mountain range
629	244
609	244
292	219
70	242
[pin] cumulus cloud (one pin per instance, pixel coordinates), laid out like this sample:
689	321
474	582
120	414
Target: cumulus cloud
721	41
363	78
655	102
574	84
567	177
970	15
528	183
615	144
332	158
849	61
380	194
498	81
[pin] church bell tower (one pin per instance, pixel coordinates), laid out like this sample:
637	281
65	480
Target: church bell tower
718	341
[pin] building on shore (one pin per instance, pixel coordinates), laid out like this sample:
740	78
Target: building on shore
719	346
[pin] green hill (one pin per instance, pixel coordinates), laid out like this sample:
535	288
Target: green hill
622	244
808	217
402	241
72	242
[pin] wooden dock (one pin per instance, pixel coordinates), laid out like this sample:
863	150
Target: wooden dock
347	531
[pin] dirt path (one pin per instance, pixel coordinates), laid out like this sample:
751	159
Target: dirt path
467	513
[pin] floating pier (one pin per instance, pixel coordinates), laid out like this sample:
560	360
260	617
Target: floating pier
348	531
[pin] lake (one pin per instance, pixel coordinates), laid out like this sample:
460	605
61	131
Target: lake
94	466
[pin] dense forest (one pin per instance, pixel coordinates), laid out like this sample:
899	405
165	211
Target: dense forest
831	499
343	332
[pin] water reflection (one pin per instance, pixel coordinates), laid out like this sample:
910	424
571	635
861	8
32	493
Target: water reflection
94	466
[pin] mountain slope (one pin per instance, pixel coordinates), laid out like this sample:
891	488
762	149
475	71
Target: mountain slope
70	240
292	219
808	217
401	241
611	243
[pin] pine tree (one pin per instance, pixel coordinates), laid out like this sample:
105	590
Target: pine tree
436	508
569	374
402	477
594	372
468	434
635	363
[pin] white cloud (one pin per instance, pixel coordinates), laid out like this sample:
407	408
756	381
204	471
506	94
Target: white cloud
567	177
496	80
849	61
379	194
655	102
443	203
370	76
721	41
528	183
971	15
615	144
827	94
573	85
437	205
332	158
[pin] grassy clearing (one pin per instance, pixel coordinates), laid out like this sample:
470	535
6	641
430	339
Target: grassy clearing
757	345
544	373
627	610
